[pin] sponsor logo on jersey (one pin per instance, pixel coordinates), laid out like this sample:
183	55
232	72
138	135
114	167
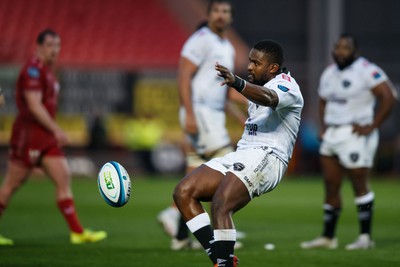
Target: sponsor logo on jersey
376	75
33	82
283	88
334	98
237	166
33	72
251	128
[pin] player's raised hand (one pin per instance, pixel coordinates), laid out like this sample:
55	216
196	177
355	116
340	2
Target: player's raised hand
226	74
230	79
362	130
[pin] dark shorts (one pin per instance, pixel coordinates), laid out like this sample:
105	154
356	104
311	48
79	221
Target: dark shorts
30	143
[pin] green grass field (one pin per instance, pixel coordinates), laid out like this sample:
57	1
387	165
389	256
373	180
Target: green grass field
290	214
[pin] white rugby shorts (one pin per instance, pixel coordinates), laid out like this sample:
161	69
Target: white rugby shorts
212	133
257	167
353	150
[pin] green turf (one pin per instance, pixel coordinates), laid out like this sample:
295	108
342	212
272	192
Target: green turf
285	217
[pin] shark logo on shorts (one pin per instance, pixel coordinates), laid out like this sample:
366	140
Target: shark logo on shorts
354	157
238	166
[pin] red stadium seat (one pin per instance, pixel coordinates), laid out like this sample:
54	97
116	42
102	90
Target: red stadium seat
95	33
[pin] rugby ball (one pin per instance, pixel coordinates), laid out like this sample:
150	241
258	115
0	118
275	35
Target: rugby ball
114	184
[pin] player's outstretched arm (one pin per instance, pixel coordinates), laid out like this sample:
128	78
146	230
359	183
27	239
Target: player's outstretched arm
258	94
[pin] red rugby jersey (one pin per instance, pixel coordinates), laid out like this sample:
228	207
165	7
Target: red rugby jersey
36	76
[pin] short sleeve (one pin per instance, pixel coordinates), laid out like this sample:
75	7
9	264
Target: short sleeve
195	48
31	78
374	75
288	93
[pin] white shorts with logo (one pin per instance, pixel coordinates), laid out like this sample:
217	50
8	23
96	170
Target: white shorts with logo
352	150
212	133
257	167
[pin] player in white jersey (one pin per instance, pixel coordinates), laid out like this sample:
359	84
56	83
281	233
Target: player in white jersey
202	111
348	94
203	102
256	167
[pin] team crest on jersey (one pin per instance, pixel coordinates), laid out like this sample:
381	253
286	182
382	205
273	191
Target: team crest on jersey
346	83
237	166
354	157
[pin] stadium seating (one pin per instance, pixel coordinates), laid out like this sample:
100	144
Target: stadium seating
122	34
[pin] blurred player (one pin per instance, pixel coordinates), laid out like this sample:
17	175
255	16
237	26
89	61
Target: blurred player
256	167
348	92
203	103
2	99
36	139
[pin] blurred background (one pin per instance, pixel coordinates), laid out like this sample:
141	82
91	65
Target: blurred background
117	69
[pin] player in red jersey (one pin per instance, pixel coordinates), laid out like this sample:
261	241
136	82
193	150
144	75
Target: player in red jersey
2	99
37	140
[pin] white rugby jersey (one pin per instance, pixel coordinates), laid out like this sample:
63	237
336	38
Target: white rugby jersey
348	94
205	48
275	128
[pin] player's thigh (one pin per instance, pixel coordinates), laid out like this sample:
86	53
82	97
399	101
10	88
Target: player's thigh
200	184
56	167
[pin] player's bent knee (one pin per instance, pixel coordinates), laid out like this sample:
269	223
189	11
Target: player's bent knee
180	194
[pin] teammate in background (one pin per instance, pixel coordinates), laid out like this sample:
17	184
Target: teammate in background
36	139
348	91
257	166
203	103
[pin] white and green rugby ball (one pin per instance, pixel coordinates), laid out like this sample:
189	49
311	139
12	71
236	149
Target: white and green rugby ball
114	184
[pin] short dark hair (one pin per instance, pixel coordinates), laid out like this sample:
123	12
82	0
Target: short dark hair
352	38
212	2
272	48
42	35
